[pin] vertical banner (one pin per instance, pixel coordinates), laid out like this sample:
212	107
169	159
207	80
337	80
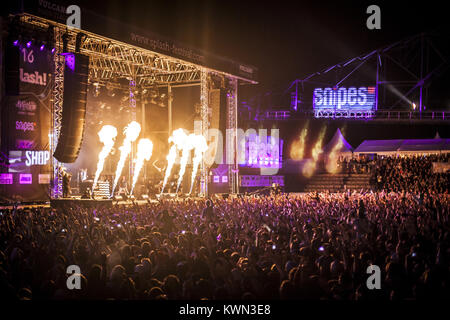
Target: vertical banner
26	120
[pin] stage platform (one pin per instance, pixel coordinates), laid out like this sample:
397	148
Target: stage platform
74	202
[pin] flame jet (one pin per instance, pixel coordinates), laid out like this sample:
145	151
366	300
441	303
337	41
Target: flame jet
178	139
131	132
145	149
298	146
187	147
310	166
107	134
200	147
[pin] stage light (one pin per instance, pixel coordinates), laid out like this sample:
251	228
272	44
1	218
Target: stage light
414	106
53	50
29	44
16	43
42	47
96	89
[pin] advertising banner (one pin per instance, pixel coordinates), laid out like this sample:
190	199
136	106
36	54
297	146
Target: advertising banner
26	120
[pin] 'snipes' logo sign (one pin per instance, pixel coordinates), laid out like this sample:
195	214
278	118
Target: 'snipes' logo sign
352	98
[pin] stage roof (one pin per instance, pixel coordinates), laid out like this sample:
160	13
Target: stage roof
404	146
118	49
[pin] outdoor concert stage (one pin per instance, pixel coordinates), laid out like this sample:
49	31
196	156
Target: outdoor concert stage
139	69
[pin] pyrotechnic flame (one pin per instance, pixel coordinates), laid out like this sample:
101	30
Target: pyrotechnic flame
331	165
131	133
298	147
187	147
144	152
200	147
310	166
178	138
317	150
107	134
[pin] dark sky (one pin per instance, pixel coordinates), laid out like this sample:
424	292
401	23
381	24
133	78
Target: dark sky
284	39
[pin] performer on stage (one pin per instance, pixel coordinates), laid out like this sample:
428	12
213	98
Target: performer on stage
123	186
66	176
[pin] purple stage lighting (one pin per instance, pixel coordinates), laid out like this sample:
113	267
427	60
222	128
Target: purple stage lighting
42	47
28	44
16	43
53	50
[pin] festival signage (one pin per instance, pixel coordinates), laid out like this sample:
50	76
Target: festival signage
21	161
6	178
26	119
25	178
362	98
344	102
263	152
44	178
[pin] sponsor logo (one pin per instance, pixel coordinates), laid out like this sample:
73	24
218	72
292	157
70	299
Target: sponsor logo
25	126
25	178
44	178
24	144
38	158
26	107
344	98
162	45
33	78
6	178
52	6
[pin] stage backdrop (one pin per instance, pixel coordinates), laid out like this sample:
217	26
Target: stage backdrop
26	121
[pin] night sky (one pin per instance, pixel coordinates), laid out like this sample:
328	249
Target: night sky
284	39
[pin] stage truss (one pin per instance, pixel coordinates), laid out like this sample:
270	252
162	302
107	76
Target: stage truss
144	69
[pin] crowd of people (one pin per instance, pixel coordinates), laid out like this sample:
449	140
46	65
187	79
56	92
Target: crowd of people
400	173
356	165
296	246
411	174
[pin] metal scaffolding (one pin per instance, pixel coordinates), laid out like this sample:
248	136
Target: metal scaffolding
56	108
402	72
204	110
232	100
